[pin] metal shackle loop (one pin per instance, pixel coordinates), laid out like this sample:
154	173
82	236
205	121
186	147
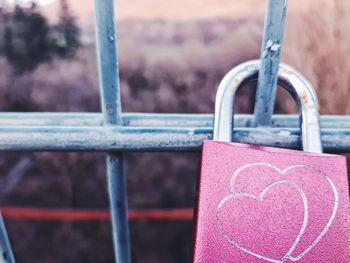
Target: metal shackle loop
290	79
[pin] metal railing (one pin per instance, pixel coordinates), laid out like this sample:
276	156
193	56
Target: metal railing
114	132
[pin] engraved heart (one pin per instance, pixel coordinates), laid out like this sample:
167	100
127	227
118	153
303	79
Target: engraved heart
256	202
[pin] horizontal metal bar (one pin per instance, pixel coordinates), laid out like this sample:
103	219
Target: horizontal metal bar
116	138
156	120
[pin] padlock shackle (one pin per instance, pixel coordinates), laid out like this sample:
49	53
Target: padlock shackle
290	79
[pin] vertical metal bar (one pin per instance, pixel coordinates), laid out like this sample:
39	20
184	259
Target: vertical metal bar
6	255
270	59
119	206
108	61
111	108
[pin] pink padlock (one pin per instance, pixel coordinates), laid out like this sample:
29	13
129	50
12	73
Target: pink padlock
261	204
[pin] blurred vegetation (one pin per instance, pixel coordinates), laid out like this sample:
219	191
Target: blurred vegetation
27	40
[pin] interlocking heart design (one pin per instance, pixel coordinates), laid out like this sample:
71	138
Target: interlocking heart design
285	181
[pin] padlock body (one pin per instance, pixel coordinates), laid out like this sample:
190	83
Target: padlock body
264	204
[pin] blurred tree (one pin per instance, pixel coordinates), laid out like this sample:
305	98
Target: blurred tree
66	34
27	40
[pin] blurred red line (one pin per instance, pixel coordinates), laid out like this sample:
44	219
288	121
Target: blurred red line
86	215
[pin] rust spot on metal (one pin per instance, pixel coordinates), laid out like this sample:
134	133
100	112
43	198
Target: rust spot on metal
304	99
236	83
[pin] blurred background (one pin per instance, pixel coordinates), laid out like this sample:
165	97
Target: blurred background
172	56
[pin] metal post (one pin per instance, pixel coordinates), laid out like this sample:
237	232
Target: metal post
67	120
111	108
6	255
270	59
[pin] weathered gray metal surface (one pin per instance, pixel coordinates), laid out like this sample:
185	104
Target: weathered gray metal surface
270	58
154	139
291	80
69	119
111	108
